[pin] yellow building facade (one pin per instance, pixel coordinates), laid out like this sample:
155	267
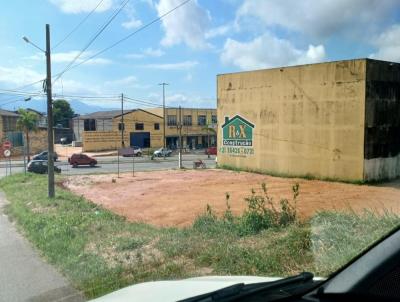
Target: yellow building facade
145	128
310	120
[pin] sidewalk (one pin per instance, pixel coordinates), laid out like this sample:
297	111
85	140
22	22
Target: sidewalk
24	276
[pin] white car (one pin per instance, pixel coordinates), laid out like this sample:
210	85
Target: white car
371	276
165	291
131	151
162	152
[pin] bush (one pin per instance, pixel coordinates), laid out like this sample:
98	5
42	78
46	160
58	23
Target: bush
260	214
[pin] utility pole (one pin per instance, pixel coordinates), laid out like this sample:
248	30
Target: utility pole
50	154
165	117
180	138
122	121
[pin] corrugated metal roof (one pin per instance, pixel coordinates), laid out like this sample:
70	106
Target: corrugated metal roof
110	114
103	114
8	113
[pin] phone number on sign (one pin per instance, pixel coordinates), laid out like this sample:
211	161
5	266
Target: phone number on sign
237	150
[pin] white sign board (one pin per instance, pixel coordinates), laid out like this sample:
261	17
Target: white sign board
7	153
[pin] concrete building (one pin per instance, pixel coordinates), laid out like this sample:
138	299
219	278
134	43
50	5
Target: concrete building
144	128
10	132
199	127
338	120
103	130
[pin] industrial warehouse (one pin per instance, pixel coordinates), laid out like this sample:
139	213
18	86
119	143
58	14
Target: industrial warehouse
337	120
109	130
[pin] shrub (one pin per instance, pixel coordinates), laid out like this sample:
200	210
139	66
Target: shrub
260	214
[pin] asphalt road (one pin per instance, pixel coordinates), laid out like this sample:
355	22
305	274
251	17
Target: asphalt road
110	164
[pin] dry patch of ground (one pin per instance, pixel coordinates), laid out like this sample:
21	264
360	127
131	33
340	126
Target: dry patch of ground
175	198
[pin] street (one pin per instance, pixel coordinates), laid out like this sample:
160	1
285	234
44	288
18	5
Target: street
109	164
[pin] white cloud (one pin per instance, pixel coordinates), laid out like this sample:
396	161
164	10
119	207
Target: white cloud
187	25
188	77
218	31
20	76
148	52
74	87
82	6
66	57
388	44
153	52
319	18
268	51
173	66
132	23
134	56
129	80
193	101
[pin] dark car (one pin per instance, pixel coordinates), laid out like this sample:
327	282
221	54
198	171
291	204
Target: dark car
78	159
211	151
40	167
44	156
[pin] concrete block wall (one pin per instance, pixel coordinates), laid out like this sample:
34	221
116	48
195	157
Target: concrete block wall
309	120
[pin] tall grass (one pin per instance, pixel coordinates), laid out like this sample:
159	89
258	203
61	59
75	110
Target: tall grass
99	251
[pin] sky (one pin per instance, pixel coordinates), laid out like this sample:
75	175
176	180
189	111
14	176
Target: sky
186	49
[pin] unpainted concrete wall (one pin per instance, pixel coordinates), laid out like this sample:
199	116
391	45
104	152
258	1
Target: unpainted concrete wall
309	120
382	121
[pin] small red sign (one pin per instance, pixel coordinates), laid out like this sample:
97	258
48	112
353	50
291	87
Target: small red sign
7	145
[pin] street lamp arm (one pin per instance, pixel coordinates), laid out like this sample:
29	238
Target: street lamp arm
33	44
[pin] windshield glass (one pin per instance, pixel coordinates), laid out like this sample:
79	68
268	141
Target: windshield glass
183	138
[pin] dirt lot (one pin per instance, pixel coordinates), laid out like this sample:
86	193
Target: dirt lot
175	198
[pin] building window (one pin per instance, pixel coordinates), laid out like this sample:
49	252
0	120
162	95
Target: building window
89	125
187	120
156	126
171	120
121	126
139	126
213	119
201	120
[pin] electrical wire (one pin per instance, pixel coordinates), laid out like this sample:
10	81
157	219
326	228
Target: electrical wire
78	25
144	102
28	85
128	36
19	100
116	13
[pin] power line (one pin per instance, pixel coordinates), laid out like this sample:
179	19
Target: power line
28	85
78	25
18	100
128	36
16	92
87	96
92	39
144	102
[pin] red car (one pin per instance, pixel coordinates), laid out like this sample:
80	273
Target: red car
211	151
78	159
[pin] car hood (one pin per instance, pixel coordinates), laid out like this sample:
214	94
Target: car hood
177	290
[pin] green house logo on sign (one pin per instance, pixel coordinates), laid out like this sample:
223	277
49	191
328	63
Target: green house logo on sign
237	131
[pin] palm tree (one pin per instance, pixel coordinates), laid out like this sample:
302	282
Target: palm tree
27	122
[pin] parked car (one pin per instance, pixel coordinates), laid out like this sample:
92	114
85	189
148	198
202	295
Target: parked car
40	167
78	159
211	151
162	152
44	156
131	151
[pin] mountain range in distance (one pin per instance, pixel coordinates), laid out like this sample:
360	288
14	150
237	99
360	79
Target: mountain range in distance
79	107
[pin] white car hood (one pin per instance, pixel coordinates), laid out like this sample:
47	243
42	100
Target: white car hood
177	290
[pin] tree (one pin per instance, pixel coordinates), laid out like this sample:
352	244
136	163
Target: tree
27	122
62	112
